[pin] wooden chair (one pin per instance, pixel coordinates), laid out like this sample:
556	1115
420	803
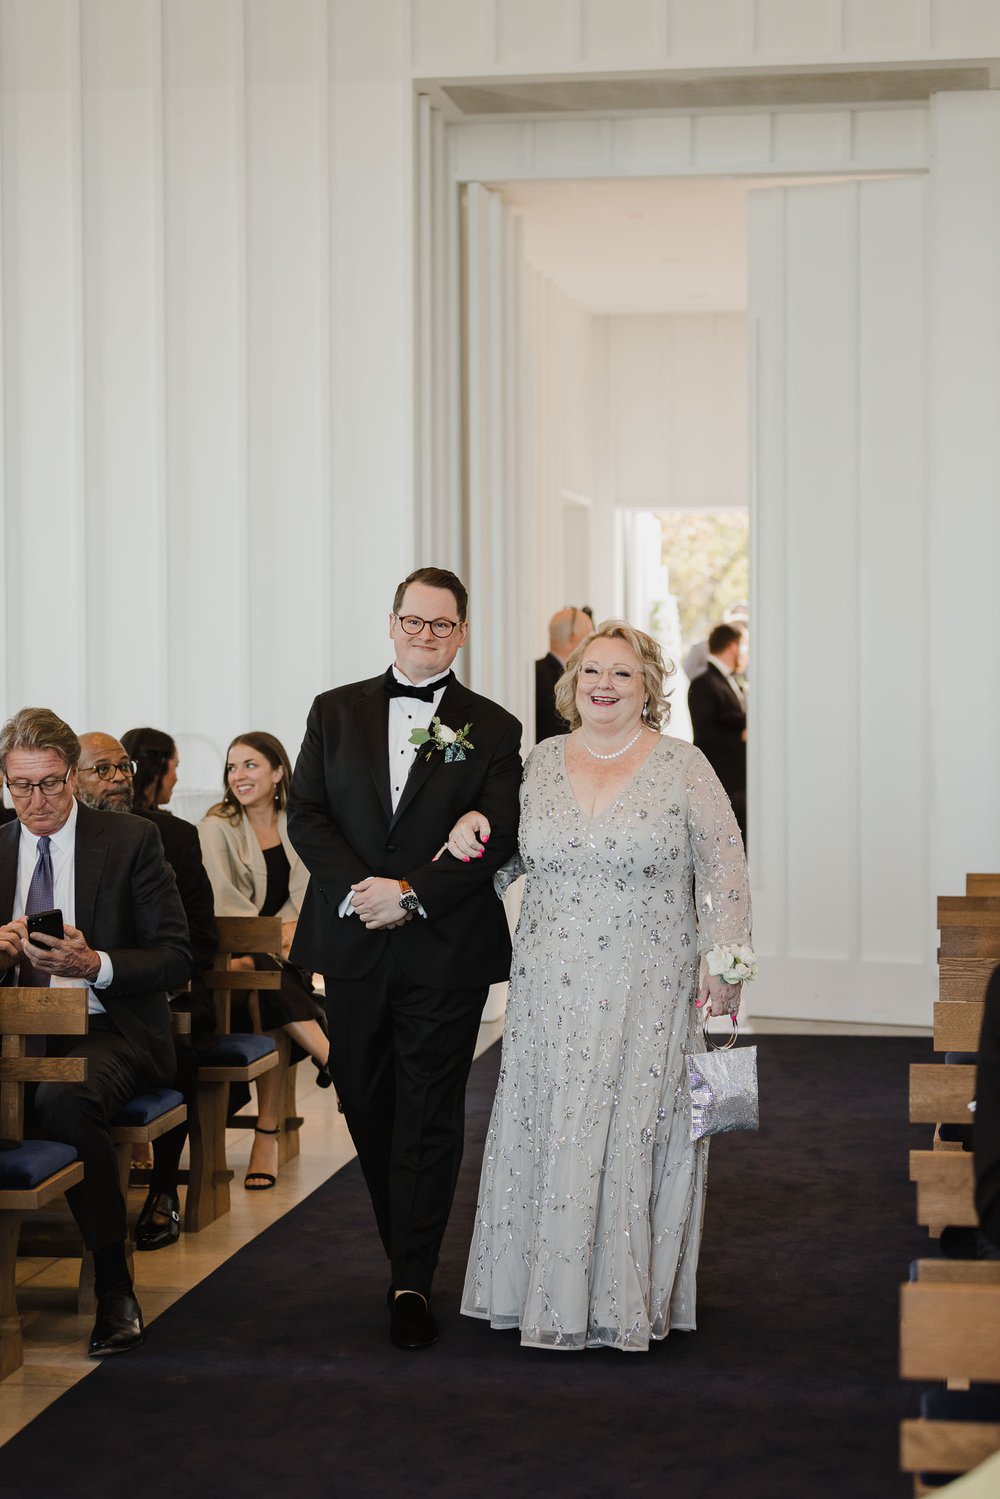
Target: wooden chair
950	1332
34	1172
982	884
229	1058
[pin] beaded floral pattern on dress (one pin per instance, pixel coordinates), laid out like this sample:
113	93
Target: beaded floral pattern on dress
589	1218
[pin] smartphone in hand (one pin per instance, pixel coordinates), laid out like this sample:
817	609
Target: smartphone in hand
49	923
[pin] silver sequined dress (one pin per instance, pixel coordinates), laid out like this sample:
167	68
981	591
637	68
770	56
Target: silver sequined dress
590	1204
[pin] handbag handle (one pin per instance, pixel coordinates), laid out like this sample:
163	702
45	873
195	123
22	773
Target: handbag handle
726	1044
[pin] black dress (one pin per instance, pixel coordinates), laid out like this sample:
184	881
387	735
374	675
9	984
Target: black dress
295	999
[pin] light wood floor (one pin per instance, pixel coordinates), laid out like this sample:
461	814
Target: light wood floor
55	1335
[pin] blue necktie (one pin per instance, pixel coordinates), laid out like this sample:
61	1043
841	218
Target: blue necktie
41	897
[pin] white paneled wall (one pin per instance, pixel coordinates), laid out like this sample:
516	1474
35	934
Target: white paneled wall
482	37
840	755
673	414
206	245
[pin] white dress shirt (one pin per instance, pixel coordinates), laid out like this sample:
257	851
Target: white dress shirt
62	851
405	715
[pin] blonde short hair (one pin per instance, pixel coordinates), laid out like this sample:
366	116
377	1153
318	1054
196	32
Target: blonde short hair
655	669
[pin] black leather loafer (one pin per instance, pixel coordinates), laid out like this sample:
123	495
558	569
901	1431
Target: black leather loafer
159	1223
118	1326
411	1324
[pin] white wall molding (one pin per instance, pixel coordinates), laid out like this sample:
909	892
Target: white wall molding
481	39
698	144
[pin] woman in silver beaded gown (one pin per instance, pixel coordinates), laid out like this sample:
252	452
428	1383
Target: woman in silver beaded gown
591	1198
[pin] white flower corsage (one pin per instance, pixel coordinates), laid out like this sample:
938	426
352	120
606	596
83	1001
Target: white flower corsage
454	742
731	962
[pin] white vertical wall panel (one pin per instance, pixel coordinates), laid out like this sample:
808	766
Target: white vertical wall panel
43	341
893	828
126	632
674	416
963	702
839	759
288	504
209	605
372	120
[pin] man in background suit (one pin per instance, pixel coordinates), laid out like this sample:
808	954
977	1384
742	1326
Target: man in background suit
719	716
126	941
409	942
105	783
567	628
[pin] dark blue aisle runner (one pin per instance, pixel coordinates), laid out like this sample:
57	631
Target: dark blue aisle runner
275	1376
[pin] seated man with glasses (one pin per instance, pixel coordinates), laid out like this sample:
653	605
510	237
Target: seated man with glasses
125	940
106	783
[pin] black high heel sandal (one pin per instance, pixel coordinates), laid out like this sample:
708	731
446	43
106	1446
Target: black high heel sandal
261	1181
323	1078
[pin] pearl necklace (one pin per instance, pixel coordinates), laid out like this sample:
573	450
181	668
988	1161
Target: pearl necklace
618	753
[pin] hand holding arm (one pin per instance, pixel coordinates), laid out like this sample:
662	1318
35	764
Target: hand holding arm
469	837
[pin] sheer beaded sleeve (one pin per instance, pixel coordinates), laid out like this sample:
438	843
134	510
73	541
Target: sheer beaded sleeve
515	867
721	884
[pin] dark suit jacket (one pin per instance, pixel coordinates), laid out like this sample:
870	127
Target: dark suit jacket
341	822
719	719
986	1126
548	670
127	906
182	848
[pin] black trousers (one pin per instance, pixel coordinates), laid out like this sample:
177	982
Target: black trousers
80	1114
400	1057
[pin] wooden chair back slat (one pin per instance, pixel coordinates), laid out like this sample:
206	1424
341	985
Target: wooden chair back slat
248	934
971	942
964	978
949	1332
945	1185
982	884
940	1094
221	978
968	910
946	1446
43	1012
957	1024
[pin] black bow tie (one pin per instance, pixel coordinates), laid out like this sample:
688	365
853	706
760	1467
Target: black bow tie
405	689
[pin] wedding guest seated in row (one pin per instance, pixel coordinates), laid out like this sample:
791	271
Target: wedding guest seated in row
109	773
592	1192
986	1129
255	871
126	941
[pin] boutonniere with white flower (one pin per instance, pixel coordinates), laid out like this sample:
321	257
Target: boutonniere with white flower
454	742
733	963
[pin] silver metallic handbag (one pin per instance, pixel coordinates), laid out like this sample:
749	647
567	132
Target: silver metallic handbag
722	1082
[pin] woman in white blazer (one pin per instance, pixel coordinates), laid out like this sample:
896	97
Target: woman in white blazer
255	871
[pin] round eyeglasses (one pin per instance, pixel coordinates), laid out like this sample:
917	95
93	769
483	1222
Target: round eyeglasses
441	628
106	770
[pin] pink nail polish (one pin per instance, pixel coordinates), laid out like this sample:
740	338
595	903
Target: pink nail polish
465	858
485	838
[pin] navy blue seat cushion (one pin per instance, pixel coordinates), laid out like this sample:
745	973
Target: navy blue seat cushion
956	1134
145	1107
237	1050
961	1058
32	1162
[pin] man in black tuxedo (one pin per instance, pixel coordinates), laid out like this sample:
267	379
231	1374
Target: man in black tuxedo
567	628
719	716
126	941
105	783
408	939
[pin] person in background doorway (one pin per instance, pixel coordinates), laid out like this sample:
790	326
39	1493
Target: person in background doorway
567	628
719	716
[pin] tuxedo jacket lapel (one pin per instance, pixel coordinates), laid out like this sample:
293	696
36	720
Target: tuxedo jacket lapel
373	719
425	762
